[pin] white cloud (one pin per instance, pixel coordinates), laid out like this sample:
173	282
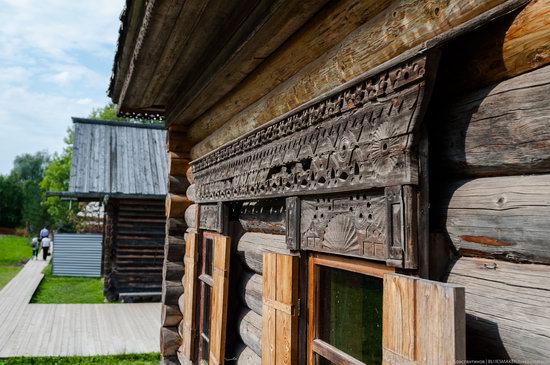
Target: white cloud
55	62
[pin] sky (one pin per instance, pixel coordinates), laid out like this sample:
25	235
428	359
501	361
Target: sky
56	58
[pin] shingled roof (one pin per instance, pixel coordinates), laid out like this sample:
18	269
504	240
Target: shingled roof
118	159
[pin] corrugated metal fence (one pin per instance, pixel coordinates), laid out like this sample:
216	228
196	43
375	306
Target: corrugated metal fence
77	255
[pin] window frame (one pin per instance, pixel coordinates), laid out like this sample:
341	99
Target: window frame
203	280
316	346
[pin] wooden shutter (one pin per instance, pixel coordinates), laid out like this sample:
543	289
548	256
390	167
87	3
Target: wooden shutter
280	321
423	322
190	267
220	278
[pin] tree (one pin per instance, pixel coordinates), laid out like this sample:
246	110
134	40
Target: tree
28	171
56	178
11	202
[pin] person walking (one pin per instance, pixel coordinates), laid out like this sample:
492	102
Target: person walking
34	244
43	233
45	247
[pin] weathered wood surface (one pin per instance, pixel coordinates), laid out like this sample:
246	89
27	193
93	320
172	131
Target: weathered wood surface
175	205
170	316
171	291
191	192
250	330
252	245
246	356
71	329
250	291
334	22
507	307
170	341
503	129
189	175
177	184
174	249
507	47
502	217
191	215
423	322
172	271
403	25
267	216
177	164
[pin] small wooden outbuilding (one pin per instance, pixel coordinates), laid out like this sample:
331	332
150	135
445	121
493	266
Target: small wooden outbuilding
124	166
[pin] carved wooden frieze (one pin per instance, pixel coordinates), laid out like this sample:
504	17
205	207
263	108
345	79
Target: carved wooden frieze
370	225
358	138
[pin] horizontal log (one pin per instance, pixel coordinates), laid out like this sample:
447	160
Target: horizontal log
177	184
181	302
191	192
171	292
170	316
245	356
402	26
178	142
176	226
191	215
172	271
252	245
499	217
267	216
500	130
174	249
507	309
178	164
169	360
189	175
250	330
175	205
251	291
507	47
170	341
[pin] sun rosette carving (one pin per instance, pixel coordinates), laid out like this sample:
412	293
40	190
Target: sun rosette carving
341	234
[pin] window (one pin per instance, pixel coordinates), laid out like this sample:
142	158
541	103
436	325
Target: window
345	318
206	268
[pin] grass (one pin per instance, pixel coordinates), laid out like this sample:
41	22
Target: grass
68	290
138	359
14	253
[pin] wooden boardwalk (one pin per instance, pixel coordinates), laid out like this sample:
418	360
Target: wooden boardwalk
71	329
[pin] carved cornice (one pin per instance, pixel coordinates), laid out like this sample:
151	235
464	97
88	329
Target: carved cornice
356	138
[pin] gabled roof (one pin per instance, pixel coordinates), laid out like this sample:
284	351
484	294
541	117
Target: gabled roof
118	159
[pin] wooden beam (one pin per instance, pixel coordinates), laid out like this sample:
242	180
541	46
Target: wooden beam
250	330
503	129
178	164
176	205
251	247
507	309
169	341
501	217
397	30
178	142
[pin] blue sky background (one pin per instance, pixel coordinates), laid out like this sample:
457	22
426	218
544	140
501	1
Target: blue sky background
55	62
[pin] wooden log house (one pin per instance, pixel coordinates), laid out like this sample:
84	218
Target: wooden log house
124	166
368	179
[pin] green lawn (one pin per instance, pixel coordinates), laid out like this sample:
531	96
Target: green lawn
68	290
139	359
14	253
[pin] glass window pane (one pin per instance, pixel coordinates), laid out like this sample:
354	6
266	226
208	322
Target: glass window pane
350	313
206	290
205	350
208	256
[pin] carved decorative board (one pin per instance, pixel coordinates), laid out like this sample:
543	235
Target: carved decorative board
212	217
357	139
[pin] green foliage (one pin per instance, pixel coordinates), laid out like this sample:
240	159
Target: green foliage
28	171
11	202
68	290
128	359
14	250
56	178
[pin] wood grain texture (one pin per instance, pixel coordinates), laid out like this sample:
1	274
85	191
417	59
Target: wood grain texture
503	129
220	276
189	282
178	165
503	217
252	245
191	215
423	322
279	313
250	291
402	26
170	316
334	22
507	308
176	205
170	341
245	356
250	330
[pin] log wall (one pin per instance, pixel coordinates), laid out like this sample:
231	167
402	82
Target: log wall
133	253
176	205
